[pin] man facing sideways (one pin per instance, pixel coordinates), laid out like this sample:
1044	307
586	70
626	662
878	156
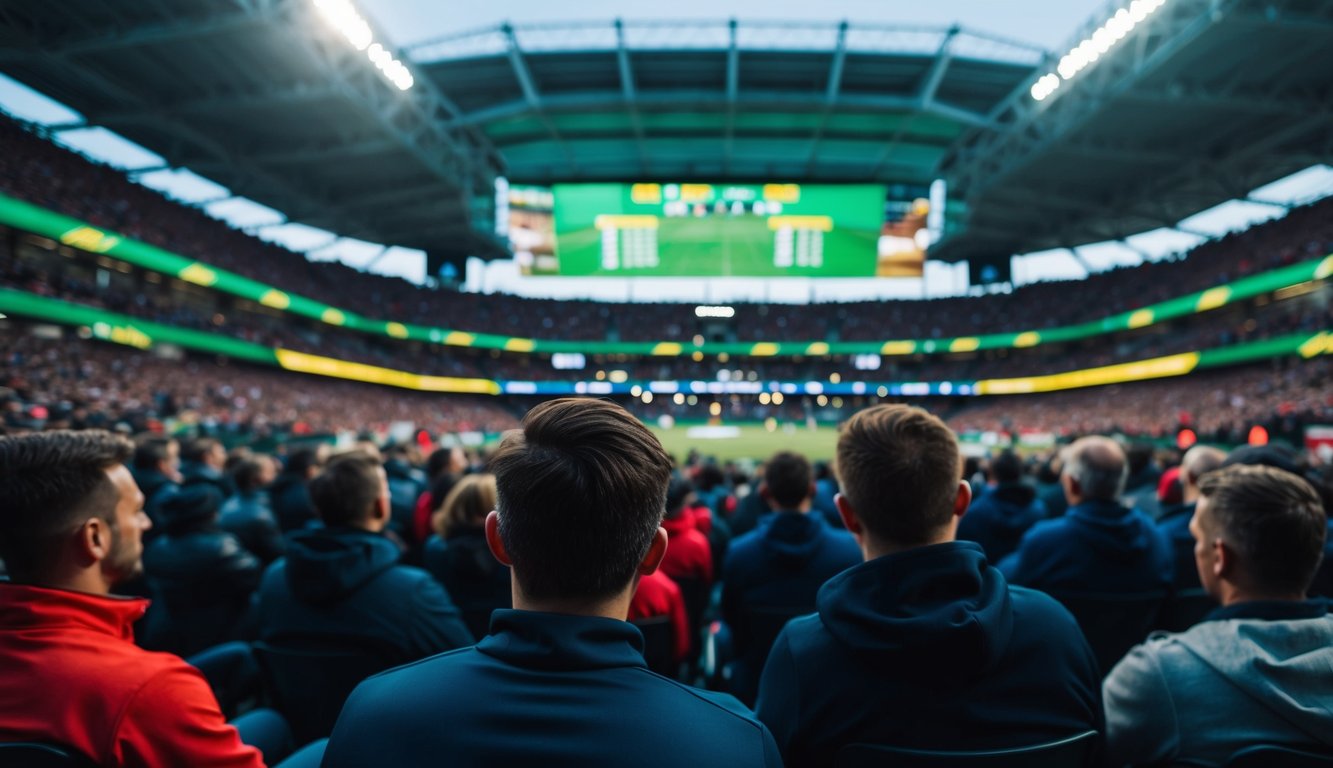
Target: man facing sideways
924	644
560	681
1259	669
70	528
1175	520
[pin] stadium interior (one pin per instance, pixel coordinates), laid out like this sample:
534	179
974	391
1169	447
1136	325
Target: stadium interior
743	232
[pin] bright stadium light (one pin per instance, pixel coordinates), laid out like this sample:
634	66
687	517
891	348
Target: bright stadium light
703	311
342	16
1091	48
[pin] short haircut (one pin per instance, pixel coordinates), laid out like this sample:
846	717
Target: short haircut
300	461
1199	461
1099	466
51	483
197	448
787	476
581	491
900	468
1274	519
248	472
466	506
345	491
438	462
151	450
1007	467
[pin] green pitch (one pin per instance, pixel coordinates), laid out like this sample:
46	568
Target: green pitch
753	442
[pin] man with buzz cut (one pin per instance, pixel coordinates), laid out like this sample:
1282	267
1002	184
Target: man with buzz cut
561	679
71	528
1257	670
924	645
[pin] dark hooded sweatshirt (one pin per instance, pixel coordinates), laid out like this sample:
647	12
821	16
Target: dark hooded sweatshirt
344	581
931	649
1097	547
782	564
998	519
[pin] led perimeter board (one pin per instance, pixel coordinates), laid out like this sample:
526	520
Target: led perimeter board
717	230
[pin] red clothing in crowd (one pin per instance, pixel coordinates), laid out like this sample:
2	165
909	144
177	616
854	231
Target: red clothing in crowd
658	595
70	674
688	555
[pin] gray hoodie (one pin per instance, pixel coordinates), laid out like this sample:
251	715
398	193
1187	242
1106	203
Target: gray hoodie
1221	686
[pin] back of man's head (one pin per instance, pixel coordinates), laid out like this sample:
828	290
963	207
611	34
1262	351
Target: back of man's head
1099	467
345	492
900	471
1007	468
200	450
50	483
252	473
787	480
1272	519
582	491
1199	461
301	461
152	452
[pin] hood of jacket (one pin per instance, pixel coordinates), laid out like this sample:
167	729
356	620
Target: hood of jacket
793	539
937	602
1115	533
326	565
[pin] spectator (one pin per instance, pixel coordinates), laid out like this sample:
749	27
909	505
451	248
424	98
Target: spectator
1175	520
561	678
201	576
202	461
689	558
443	468
71	529
1098	546
344	579
777	569
1000	515
1260	668
156	469
248	514
924	645
290	492
657	595
459	558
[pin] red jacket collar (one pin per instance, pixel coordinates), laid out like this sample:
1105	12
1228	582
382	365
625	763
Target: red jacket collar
26	607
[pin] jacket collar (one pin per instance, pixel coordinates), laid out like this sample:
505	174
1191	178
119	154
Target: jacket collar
1271	610
25	607
556	641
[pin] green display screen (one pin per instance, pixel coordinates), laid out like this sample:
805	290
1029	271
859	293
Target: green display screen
716	230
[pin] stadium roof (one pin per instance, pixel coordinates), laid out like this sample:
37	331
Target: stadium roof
1201	103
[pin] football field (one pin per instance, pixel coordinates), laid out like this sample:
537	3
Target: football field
751	441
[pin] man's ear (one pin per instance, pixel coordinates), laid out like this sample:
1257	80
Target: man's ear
848	515
382	510
656	551
964	498
493	539
1224	560
94	541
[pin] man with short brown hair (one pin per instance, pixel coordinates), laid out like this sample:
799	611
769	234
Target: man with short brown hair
71	528
924	644
561	679
1259	669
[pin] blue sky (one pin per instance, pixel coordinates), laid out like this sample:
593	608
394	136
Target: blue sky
1047	23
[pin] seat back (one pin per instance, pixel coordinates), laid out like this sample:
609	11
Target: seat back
1272	756
1184	609
28	754
1112	623
657	650
1073	752
696	593
309	677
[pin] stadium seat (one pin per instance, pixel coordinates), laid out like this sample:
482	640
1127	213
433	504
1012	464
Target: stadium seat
657	634
1272	756
697	594
759	628
38	755
1184	609
1073	752
309	677
1112	623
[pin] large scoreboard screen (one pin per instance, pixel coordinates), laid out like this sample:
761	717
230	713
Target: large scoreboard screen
712	230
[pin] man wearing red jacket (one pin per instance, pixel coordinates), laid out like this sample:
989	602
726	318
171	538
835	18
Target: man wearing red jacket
71	527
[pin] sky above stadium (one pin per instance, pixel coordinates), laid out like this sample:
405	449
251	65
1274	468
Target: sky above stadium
1050	24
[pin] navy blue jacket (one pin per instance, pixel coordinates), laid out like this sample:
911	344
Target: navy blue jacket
343	581
1097	547
546	690
781	564
478	583
999	517
290	496
1175	525
932	649
249	518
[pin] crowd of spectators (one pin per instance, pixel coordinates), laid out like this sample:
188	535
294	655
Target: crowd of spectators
39	171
